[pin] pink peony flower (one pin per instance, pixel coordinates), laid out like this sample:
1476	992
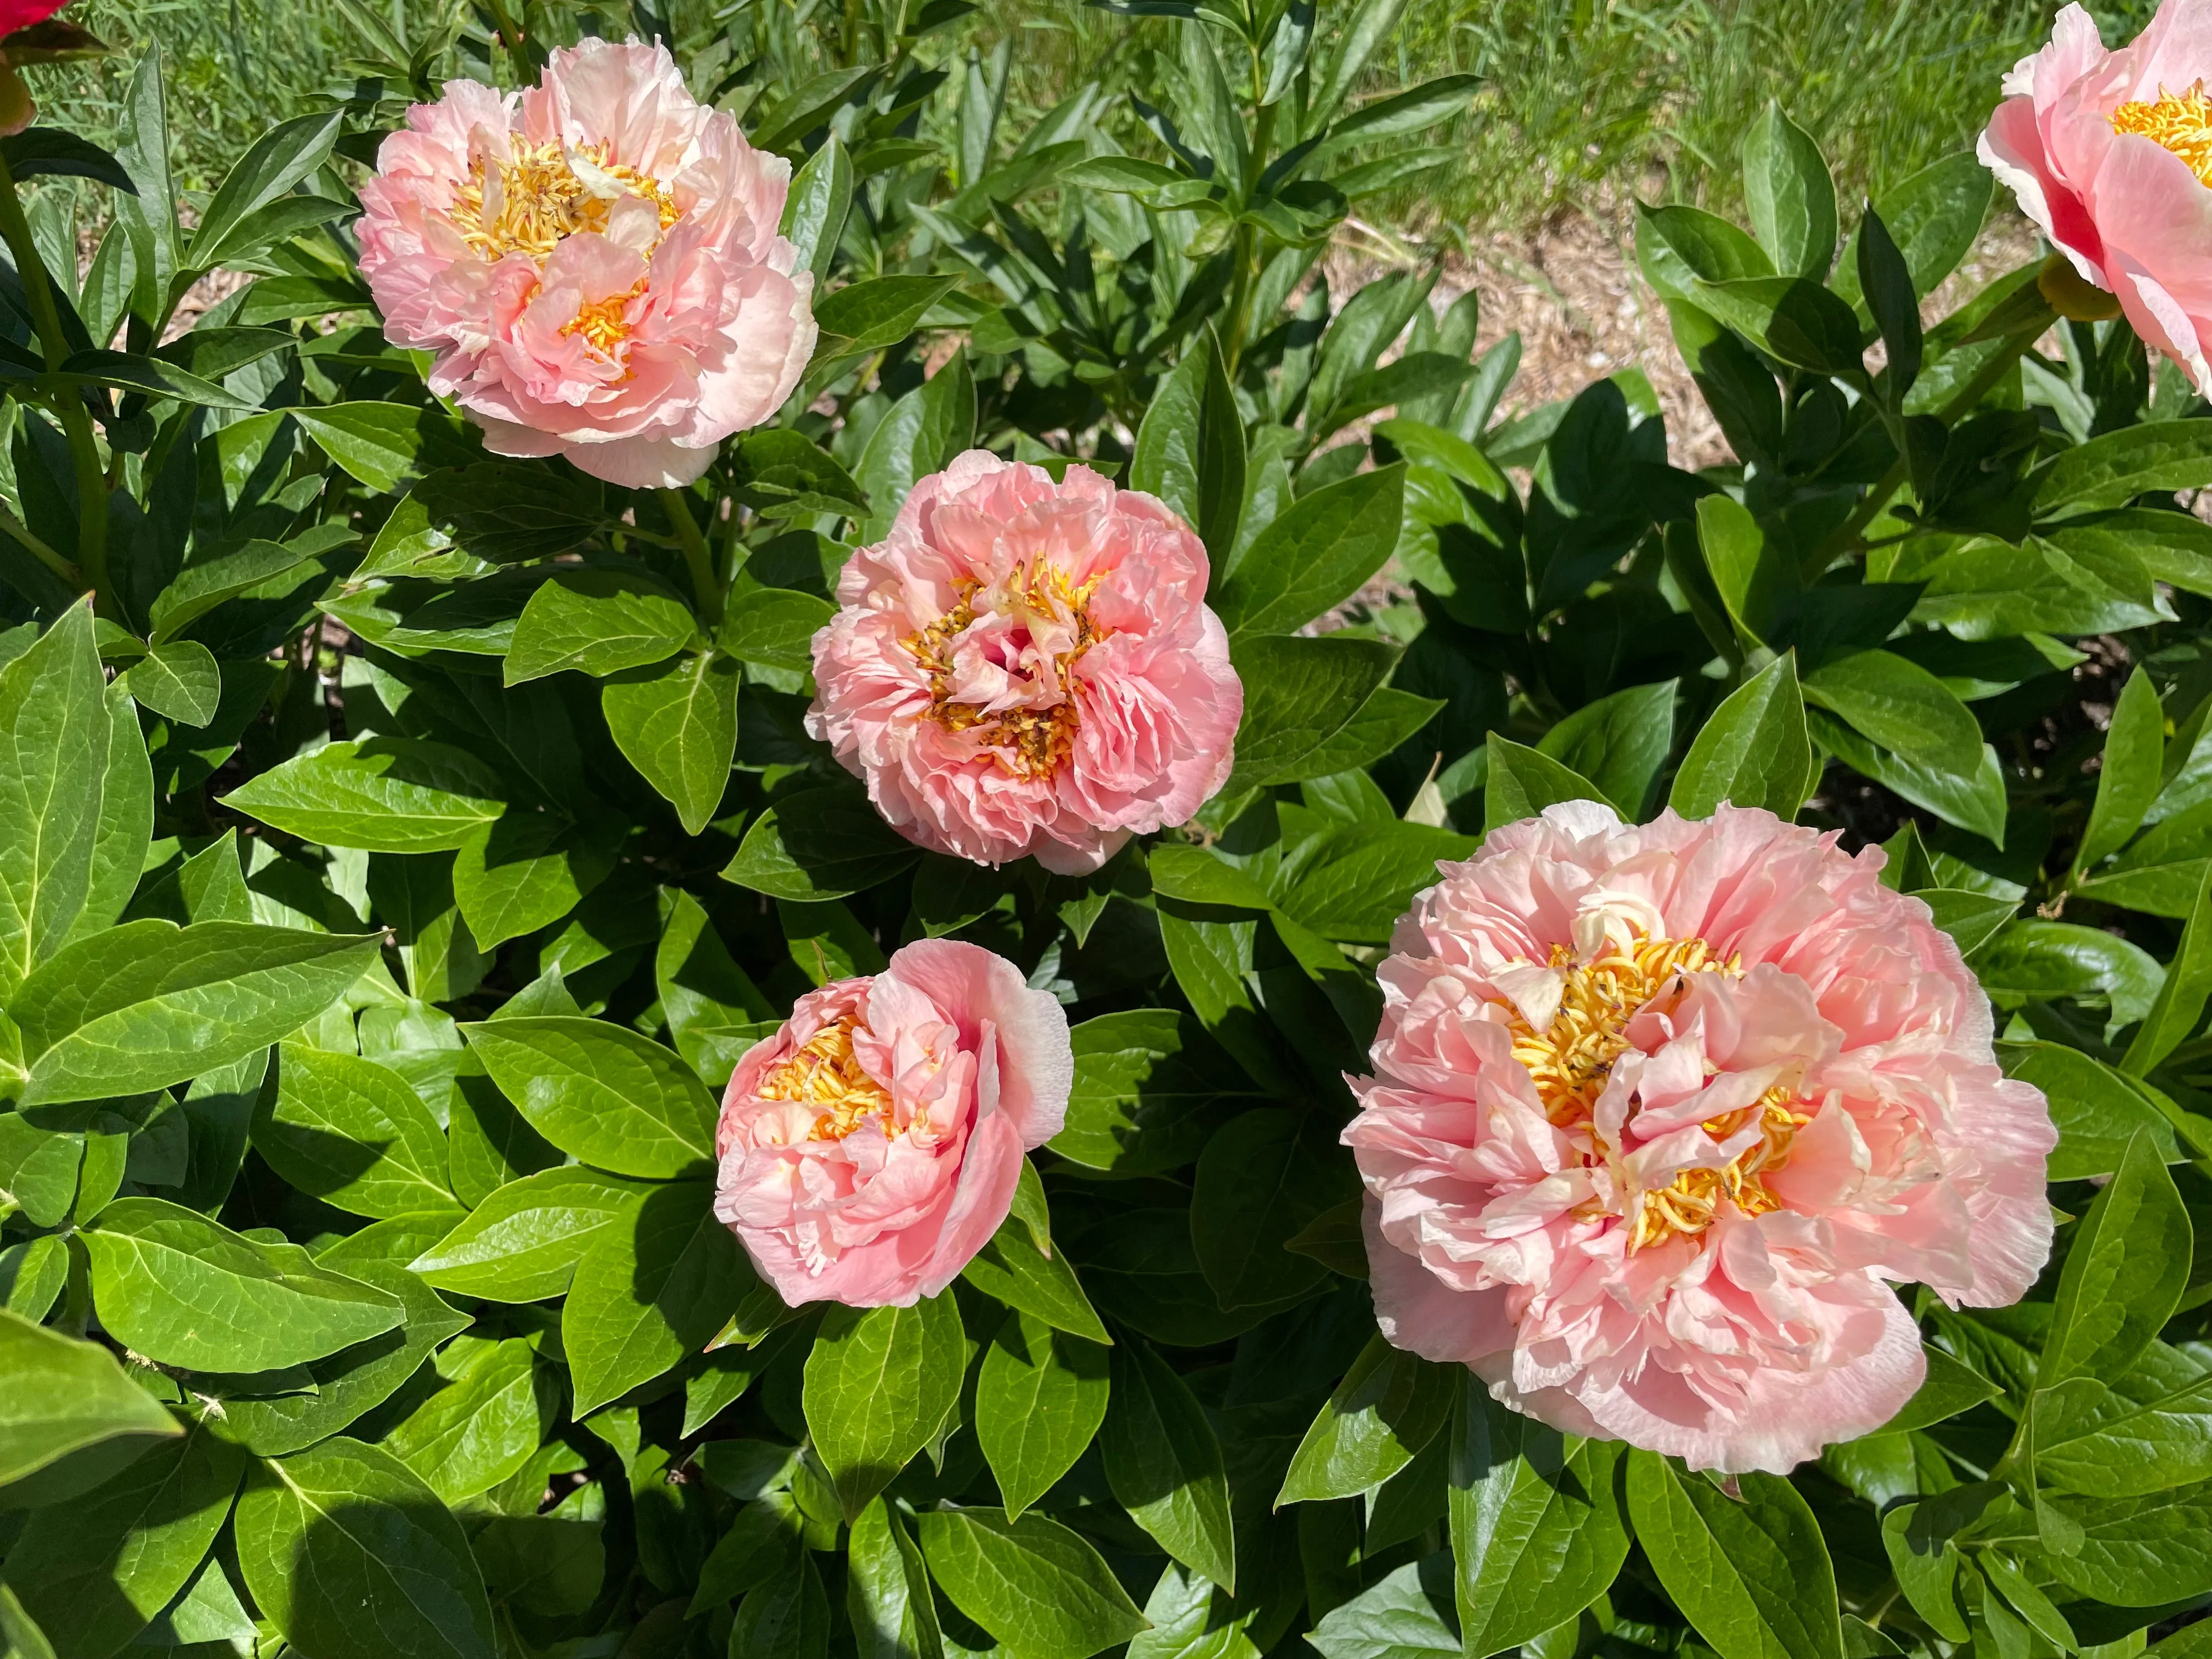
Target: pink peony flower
1024	666
872	1145
595	263
1659	1111
2111	152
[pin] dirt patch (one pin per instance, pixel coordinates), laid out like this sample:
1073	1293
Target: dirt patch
1572	290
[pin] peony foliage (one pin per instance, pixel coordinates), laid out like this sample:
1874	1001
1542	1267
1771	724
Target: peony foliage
1561	1055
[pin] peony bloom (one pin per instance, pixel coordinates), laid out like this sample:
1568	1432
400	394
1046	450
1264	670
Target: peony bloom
872	1145
1657	1115
595	263
17	110
1024	666
2111	152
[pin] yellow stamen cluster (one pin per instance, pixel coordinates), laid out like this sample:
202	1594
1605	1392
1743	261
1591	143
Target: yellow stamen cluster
542	201
604	323
1571	1060
2180	122
1027	742
826	1074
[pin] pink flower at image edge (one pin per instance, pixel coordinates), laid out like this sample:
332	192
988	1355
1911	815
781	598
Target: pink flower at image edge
594	262
2110	153
1028	667
22	13
1659	1115
17	109
872	1146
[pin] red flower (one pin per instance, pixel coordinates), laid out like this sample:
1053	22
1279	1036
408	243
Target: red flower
22	13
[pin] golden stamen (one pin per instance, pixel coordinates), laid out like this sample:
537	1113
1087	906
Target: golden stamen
825	1073
542	201
2180	122
1572	1061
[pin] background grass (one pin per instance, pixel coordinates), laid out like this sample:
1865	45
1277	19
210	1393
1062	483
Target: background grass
1583	102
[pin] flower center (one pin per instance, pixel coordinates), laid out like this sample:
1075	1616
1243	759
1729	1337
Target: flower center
2180	122
545	194
604	323
1571	1060
1027	742
826	1074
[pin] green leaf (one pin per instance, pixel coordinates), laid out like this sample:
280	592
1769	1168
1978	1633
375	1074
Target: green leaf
598	623
815	211
527	870
343	1527
280	159
1933	217
179	680
879	1382
522	1243
1164	1464
786	1618
2138	1552
2128	780
483	1427
2092	1438
149	1004
19	1637
1298	694
1038	1587
716	1012
678	724
1149	1090
1948	1389
2111	471
126	821
1523	781
919	435
1011	1268
383	794
353	1133
1408	1614
1679	248
386	447
1040	1398
1190	449
2124	1275
354	1380
1974	801
1752	751
819	844
764	1543
53	750
887	1590
1263	1178
1314	556
1389	1406
1917	1538
1900	706
648	1293
2078	579
94	1571
2097	1113
1970	919
1619	743
776	626
2052	959
186	1291
63	1395
48	152
605	1095
1752	1575
1354	888
1790	196
1795	320
2181	998
1537	1534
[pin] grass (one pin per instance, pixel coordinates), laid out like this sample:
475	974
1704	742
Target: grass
1583	101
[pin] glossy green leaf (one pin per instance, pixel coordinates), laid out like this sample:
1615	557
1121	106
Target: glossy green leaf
1389	1406
483	1426
345	1526
598	623
1164	1464
186	1291
678	724
887	1590
385	794
878	1383
607	1096
1314	556
353	1133
819	844
523	1243
1263	1178
2128	780
1038	1587
2124	1272
1752	751
1523	781
1039	1400
53	750
1790	196
179	680
649	1292
1298	694
775	627
65	1395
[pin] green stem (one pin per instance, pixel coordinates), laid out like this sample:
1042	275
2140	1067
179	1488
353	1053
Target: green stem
511	38
19	531
65	400
697	555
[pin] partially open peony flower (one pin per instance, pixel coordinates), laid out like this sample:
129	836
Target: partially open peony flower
1657	1113
1024	666
595	263
872	1145
2111	152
